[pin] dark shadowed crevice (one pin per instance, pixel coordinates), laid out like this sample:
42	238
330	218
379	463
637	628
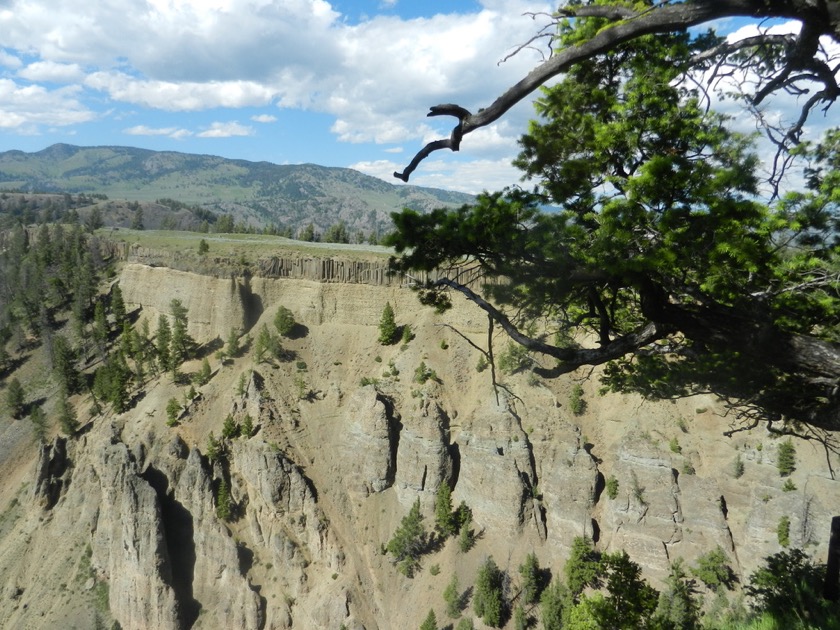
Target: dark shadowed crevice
596	532
252	305
600	484
394	430
179	533
455	456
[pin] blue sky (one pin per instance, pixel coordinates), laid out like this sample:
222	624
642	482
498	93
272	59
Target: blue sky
339	83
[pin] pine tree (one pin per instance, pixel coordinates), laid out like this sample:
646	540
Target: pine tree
117	304
214	448
230	429
181	343
173	408
488	600
387	326
678	608
284	321
204	373
15	398
786	458
232	347
39	424
430	623
66	414
262	345
582	567
553	602
162	343
247	428
452	597
223	507
409	541
444	520
466	535
100	326
530	572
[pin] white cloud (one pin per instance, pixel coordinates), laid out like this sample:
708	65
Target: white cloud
52	72
10	61
226	130
25	107
264	118
471	177
169	132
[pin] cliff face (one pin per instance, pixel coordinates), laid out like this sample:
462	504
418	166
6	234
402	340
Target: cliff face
120	522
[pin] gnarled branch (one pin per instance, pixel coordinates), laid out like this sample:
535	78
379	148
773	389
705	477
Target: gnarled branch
819	18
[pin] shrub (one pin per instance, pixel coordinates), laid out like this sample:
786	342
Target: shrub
514	359
789	486
713	569
674	445
786	458
738	467
612	487
482	364
783	531
576	402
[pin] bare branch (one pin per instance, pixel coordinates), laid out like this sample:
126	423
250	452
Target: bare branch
818	19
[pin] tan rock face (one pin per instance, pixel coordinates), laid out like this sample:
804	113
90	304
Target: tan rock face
325	480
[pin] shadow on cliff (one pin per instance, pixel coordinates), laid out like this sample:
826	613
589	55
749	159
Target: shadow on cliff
179	532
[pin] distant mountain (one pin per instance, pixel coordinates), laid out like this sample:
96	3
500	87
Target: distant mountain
254	193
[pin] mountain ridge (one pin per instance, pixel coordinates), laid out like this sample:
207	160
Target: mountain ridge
258	194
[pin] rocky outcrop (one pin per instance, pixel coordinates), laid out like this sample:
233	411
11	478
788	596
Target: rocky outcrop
368	443
129	543
424	459
496	476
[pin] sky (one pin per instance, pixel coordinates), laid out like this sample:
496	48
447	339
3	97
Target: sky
338	83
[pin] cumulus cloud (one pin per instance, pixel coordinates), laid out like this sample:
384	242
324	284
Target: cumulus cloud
52	72
264	118
226	130
471	177
26	107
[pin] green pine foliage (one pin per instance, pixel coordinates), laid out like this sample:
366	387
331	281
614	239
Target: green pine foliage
284	321
409	542
173	409
230	428
39	424
488	596
678	607
66	415
713	569
163	339
452	598
430	623
529	572
15	398
387	326
444	518
783	531
223	503
786	458
582	567
555	604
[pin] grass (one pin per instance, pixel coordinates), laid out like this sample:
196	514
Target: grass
236	246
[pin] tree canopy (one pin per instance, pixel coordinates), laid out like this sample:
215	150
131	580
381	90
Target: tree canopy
659	258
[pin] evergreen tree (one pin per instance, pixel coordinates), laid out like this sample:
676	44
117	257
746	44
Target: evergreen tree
173	408
630	601
137	219
223	506
203	247
66	414
162	344
247	428
555	603
387	326
529	570
284	321
409	542
678	608
181	343
583	566
488	598
466	535
786	458
232	346
452	598
444	519
230	429
100	326
214	448
430	623
39	424
15	398
117	305
204	373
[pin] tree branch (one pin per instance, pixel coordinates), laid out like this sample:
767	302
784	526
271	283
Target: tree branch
824	18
